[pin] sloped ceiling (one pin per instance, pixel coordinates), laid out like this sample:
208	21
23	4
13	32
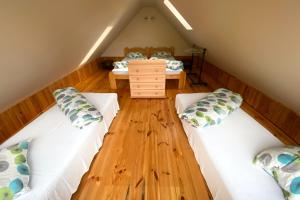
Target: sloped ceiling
41	41
257	41
146	33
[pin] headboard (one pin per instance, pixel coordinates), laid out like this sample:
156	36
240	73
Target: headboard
157	49
148	51
144	51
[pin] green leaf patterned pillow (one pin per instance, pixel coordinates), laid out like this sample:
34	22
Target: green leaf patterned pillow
76	107
174	64
276	157
161	54
288	178
212	109
135	55
120	64
283	164
14	171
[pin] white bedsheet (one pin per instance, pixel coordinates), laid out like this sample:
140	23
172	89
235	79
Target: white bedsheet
60	154
225	153
125	71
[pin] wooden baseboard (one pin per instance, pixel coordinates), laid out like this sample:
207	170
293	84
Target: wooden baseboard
16	117
280	116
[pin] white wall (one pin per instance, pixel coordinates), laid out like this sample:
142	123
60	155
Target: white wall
142	33
42	41
257	41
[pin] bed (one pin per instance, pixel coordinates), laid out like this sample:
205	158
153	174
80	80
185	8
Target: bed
122	73
225	152
60	154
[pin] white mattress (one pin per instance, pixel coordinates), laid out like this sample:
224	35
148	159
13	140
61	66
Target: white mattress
225	152
125	71
60	154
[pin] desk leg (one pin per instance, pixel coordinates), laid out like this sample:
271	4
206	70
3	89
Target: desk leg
182	80
112	81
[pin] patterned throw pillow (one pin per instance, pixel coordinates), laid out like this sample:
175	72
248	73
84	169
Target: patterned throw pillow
276	157
212	109
283	164
76	107
288	178
135	55
161	54
174	64
120	64
14	171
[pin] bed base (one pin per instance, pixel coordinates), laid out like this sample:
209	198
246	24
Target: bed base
114	77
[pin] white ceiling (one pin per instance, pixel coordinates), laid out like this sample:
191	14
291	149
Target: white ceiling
258	41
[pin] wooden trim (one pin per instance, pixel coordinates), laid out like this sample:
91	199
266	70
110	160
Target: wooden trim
182	80
18	116
286	120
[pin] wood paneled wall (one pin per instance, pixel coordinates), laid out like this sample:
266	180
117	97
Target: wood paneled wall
279	115
19	115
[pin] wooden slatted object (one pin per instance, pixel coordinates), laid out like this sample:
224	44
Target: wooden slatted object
147	78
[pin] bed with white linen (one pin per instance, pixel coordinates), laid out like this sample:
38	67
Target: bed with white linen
225	153
171	73
60	154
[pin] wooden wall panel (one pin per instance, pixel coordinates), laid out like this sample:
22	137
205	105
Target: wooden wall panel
280	116
19	115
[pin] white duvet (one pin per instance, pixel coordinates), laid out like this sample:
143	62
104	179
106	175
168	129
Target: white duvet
225	153
60	154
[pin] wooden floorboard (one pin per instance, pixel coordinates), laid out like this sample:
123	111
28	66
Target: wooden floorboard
146	154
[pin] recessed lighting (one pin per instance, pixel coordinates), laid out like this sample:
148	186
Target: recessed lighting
97	44
177	15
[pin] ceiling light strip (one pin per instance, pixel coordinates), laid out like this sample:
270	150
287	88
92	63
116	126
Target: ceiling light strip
177	15
96	45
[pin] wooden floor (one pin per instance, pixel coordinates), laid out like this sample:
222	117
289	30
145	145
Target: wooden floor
146	154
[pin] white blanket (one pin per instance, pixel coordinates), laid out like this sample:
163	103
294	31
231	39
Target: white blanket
60	154
225	153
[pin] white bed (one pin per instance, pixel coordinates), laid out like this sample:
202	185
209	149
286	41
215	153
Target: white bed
125	71
60	154
225	153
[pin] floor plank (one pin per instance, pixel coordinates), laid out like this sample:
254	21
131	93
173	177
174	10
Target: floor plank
146	154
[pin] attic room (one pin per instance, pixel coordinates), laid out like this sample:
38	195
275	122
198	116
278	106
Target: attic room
150	99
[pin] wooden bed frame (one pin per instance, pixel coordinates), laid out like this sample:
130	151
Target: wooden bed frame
148	51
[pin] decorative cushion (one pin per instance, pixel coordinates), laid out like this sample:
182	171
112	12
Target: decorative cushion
76	107
276	157
120	64
212	109
130	56
135	55
161	54
288	178
283	164
172	64
14	171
